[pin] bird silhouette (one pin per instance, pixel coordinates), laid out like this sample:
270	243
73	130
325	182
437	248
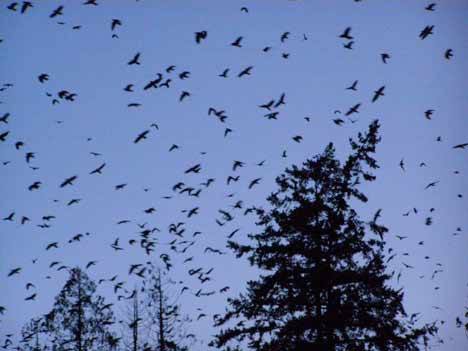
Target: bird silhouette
384	57
4	118
224	74
353	109
14	271
448	54
426	32
4	135
346	34
284	36
115	22
237	42
378	93
183	95
141	136
245	72
68	181
353	86
31	297
43	77
34	186
199	36
26	5
349	45
428	114
135	60
254	182
99	169
431	185
460	146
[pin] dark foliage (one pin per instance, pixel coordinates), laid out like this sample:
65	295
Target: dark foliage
324	285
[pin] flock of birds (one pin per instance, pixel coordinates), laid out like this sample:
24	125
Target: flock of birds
183	238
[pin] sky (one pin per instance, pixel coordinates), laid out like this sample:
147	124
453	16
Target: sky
92	64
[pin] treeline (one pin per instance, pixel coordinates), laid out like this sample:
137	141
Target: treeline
81	320
324	286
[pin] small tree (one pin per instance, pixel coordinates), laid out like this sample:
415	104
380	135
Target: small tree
325	286
132	322
164	322
79	319
34	336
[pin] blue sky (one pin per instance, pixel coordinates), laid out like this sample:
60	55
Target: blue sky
92	64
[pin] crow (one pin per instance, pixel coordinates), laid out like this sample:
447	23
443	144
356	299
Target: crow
134	60
346	34
68	181
245	72
98	170
199	36
141	136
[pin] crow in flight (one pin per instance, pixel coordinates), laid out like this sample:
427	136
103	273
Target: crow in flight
141	136
134	60
68	181
199	36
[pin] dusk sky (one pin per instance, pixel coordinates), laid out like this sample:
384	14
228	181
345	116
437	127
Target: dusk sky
89	62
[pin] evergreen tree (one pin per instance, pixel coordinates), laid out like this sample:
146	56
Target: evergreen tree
34	335
324	285
132	322
164	322
79	320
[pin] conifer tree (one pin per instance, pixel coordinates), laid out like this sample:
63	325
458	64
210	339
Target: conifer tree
79	320
324	284
164	321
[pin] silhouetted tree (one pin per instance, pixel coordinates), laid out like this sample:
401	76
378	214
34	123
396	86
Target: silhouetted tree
324	285
166	325
79	320
132	322
34	336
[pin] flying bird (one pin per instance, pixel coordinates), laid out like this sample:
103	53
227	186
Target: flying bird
224	74
428	114
461	146
426	32
14	271
43	77
384	57
56	12
199	36
183	95
353	86
26	5
378	93
68	181
115	22
346	34
99	169
237	42
134	60
353	109
245	72
430	185
254	182
349	45
448	54
141	136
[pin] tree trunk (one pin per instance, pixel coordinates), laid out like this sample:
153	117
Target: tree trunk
162	341
80	318
135	322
